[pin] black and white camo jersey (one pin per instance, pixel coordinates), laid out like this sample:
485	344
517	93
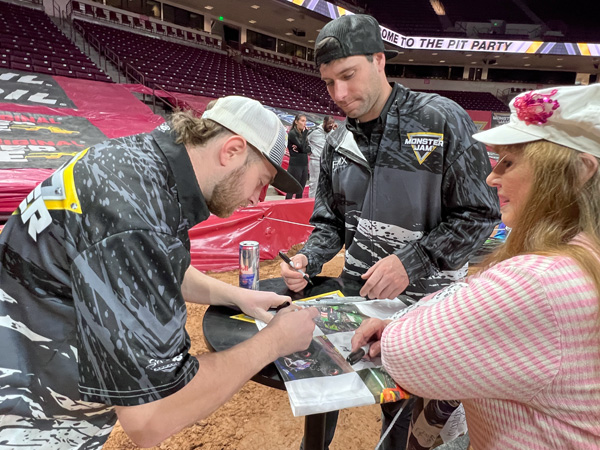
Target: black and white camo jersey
91	311
416	189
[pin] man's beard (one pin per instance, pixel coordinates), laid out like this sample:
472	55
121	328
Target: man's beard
226	195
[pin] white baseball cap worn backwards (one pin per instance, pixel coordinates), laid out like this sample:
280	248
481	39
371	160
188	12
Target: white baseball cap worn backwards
262	130
568	116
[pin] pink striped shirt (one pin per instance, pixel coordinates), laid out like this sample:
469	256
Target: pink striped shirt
520	346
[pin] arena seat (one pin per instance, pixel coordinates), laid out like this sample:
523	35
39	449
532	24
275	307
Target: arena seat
100	14
193	70
479	101
31	42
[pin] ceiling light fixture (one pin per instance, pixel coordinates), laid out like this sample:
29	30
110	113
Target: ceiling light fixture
208	7
289	19
252	21
255	7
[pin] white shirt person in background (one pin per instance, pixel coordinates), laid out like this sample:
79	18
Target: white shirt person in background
316	140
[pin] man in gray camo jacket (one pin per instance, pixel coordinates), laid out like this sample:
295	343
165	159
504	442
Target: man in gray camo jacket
95	273
402	186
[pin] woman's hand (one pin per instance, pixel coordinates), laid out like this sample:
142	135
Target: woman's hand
369	332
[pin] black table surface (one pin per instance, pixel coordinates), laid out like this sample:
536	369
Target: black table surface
221	332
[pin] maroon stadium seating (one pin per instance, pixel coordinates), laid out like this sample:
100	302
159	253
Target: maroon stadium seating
193	70
30	41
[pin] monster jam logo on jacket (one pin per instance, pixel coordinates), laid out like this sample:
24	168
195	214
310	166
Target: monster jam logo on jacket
423	144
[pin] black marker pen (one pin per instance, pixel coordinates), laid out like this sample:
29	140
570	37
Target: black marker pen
283	305
291	264
357	355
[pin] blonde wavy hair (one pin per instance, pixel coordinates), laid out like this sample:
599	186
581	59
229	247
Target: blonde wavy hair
193	130
196	131
557	209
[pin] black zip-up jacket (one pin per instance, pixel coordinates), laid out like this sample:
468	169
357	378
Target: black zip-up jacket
299	139
423	198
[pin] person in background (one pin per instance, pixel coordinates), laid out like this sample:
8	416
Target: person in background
95	272
519	342
316	140
402	187
298	149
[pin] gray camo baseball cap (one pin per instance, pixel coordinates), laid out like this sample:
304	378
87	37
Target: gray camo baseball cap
356	34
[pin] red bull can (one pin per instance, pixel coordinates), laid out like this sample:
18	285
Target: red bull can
249	259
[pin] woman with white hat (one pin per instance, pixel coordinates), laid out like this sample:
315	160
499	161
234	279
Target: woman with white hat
519	342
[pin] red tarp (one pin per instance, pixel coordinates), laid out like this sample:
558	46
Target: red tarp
110	107
45	120
15	184
482	119
276	225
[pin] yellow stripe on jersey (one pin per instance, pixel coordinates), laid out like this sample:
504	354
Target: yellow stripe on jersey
70	201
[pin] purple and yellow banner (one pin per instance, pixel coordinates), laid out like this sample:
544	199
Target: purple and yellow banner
489	45
332	11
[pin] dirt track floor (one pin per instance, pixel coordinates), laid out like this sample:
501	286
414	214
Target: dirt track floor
259	417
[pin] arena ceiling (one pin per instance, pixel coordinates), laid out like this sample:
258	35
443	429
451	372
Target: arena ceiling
283	19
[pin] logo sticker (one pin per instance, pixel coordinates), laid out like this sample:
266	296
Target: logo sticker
165	365
339	163
423	144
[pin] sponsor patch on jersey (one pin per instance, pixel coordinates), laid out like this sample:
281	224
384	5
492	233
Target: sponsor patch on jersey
424	144
165	365
339	163
57	192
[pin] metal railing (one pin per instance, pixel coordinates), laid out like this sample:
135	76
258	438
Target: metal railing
123	67
111	56
135	75
56	12
76	27
163	99
69	15
94	42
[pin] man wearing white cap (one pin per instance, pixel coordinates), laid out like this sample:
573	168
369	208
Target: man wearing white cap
95	272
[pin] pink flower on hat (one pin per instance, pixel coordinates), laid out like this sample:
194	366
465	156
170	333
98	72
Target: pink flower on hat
535	108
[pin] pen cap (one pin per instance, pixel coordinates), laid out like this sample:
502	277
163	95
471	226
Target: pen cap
356	356
285	257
